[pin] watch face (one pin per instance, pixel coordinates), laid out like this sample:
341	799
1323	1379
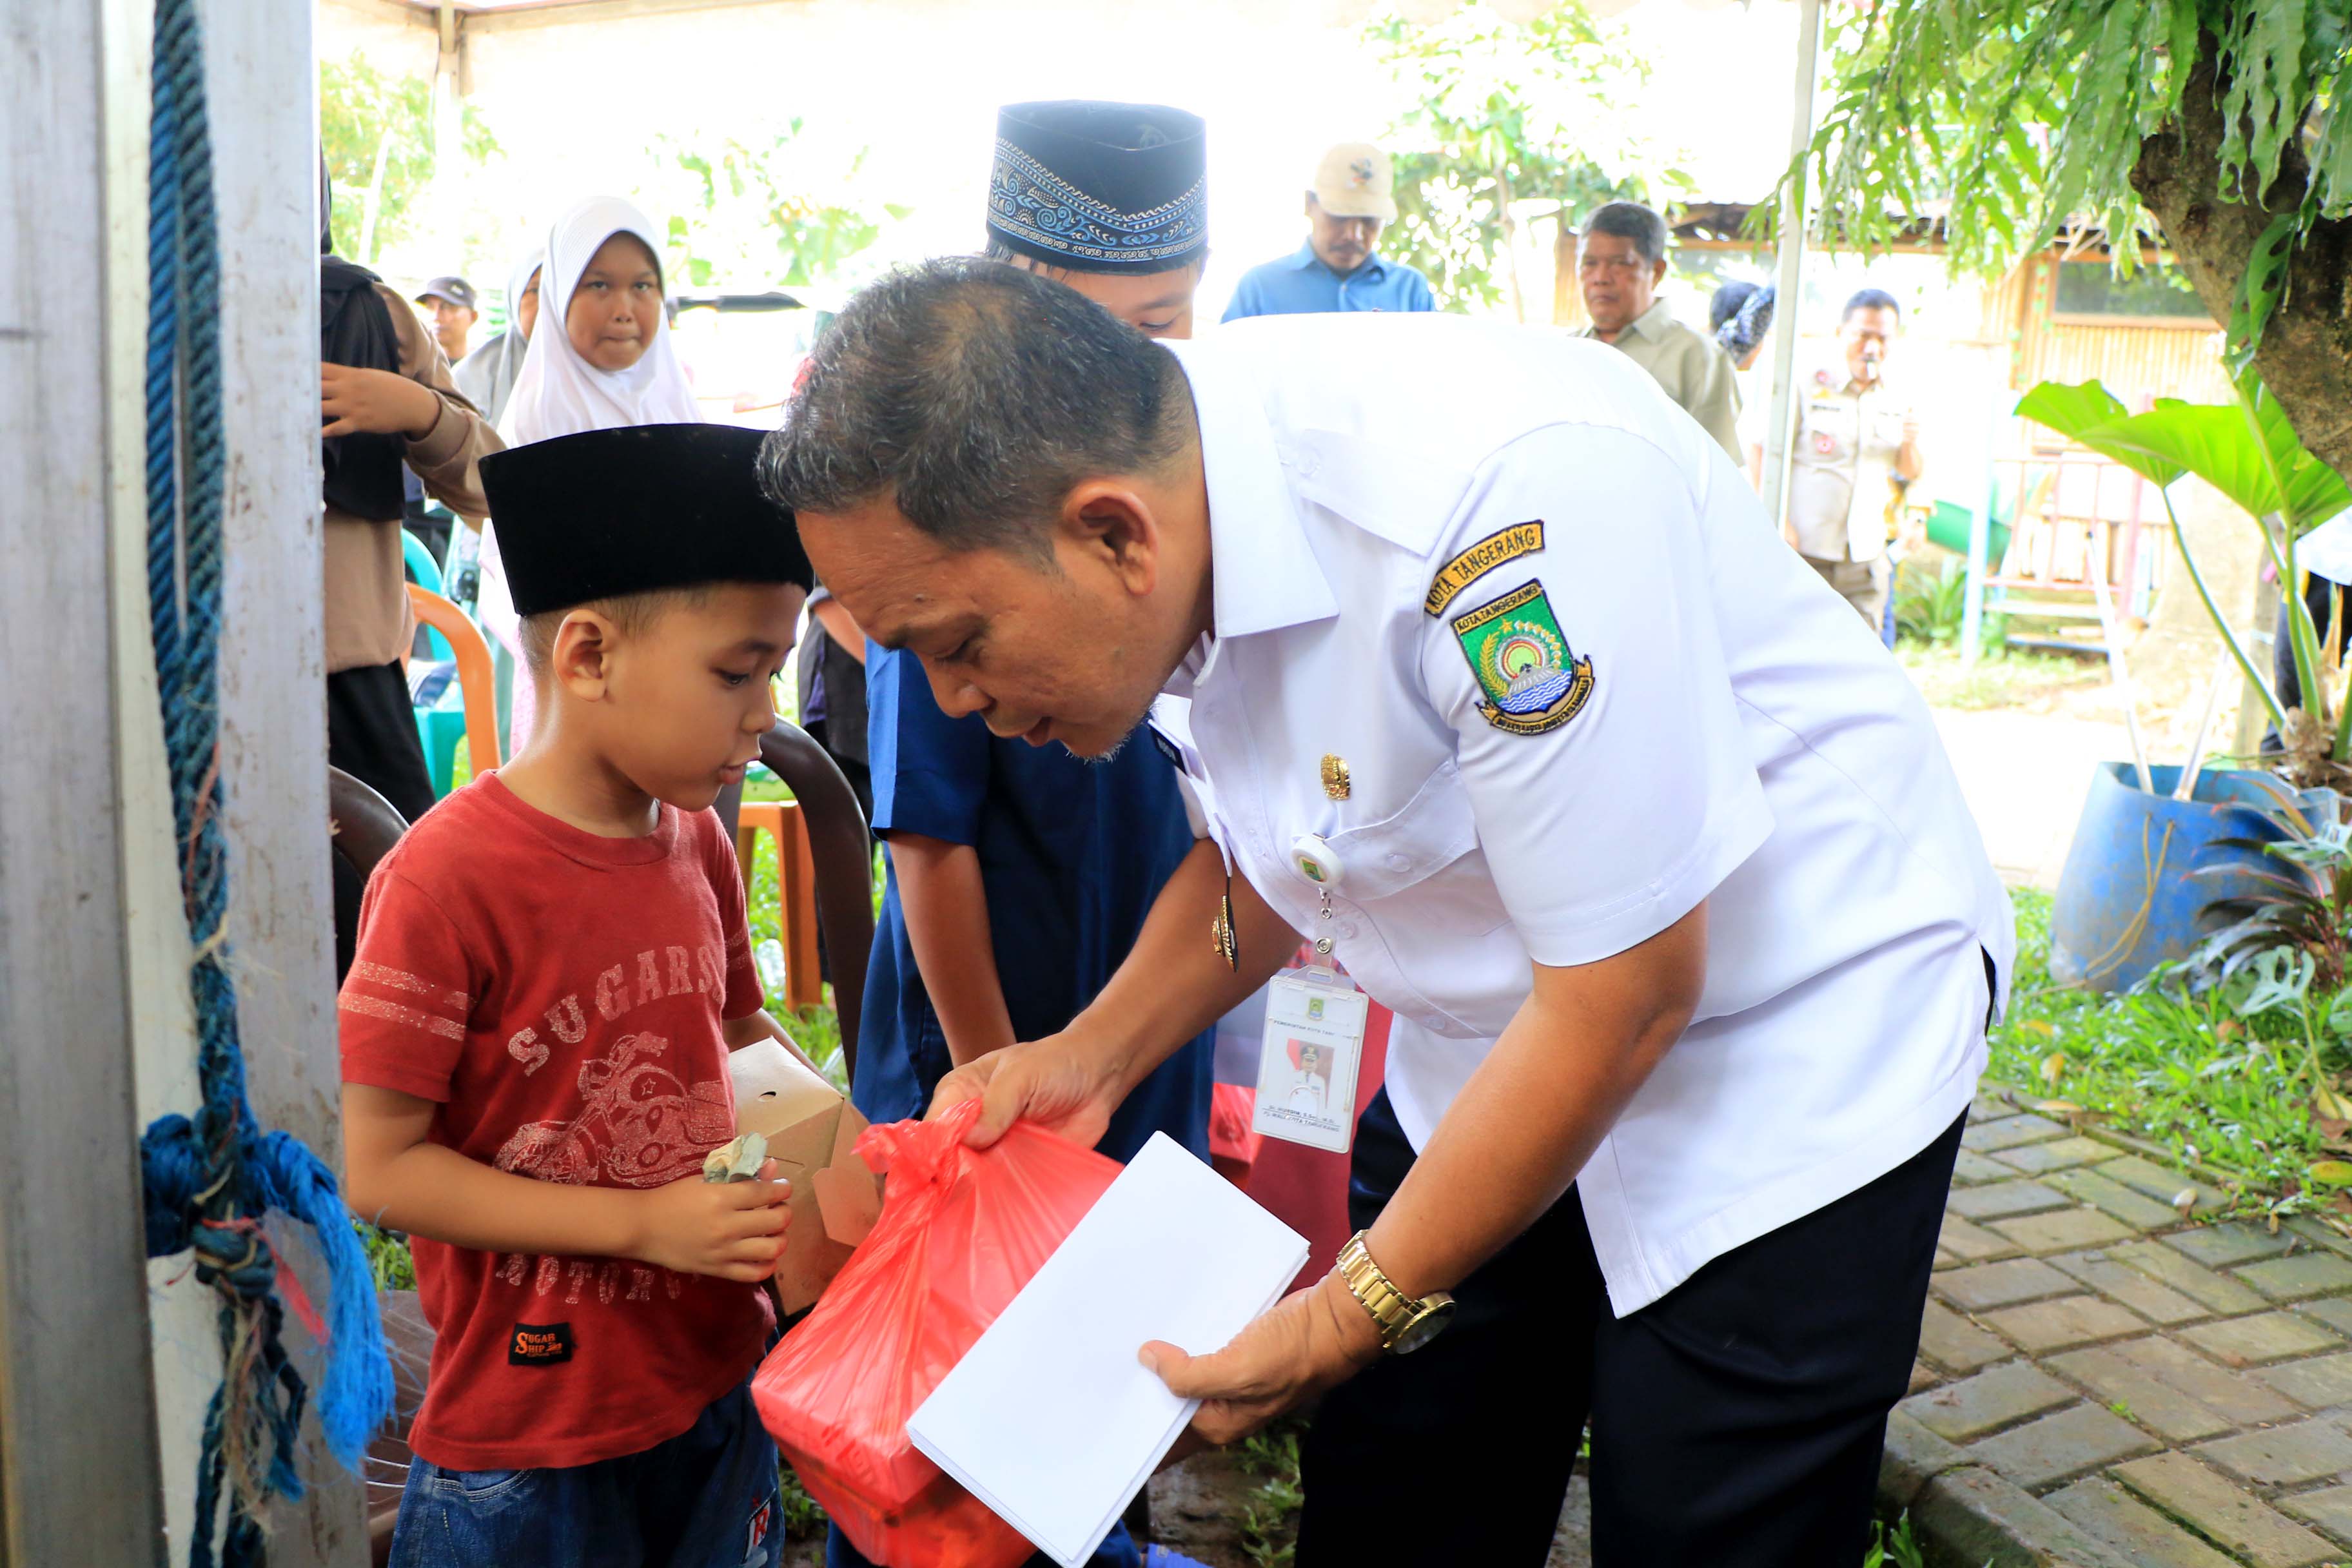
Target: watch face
1425	1328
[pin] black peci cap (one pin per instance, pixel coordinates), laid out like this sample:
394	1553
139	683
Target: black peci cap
634	509
1101	187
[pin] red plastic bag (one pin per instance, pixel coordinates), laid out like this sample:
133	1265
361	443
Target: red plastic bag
961	1232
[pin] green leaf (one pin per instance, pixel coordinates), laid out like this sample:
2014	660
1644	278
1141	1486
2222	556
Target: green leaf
2275	473
2331	157
2308	491
2282	978
2331	1174
2204	439
2259	292
2086	413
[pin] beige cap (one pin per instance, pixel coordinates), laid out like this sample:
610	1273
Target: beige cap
1353	180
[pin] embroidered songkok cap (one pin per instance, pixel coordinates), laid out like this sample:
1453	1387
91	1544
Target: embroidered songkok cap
1101	187
633	510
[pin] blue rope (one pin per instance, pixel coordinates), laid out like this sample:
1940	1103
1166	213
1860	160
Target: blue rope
211	1179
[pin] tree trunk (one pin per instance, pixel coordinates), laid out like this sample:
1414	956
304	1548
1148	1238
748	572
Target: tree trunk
2305	356
373	203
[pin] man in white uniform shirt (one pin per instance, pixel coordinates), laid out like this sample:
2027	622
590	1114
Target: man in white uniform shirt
1649	846
1853	436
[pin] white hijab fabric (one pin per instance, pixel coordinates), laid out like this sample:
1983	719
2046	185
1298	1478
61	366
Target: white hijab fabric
487	375
560	393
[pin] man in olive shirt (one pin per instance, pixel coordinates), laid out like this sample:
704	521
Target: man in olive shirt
1623	261
1856	440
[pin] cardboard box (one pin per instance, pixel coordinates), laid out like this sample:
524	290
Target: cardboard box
810	1127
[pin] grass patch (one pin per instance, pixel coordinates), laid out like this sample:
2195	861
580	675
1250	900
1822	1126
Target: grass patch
2182	1072
816	1029
2003	677
804	1517
387	1255
1892	1546
1270	1514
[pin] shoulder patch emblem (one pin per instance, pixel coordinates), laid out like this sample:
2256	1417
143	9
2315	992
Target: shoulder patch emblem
1506	544
1532	679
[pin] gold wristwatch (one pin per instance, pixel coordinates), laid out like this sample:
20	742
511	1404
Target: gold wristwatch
1405	1323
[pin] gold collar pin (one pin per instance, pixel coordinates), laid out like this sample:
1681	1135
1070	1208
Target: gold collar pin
1335	776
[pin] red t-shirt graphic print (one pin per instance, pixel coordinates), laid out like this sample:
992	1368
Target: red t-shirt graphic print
560	996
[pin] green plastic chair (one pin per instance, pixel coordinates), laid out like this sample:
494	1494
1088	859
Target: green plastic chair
441	725
428	572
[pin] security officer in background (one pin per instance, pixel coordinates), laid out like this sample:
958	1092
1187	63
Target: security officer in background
1508	703
1855	437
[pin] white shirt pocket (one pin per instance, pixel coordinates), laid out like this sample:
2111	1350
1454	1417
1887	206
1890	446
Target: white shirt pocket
1418	921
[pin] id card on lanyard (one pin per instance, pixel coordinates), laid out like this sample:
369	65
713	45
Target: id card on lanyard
1307	1062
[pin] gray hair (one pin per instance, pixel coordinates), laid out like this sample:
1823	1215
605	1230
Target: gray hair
1631	220
974	396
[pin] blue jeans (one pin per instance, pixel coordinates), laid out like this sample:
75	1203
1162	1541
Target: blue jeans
706	1498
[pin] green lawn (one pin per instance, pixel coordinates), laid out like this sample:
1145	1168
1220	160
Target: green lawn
2004	678
2184	1073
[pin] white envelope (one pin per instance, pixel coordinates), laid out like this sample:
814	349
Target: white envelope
1049	1418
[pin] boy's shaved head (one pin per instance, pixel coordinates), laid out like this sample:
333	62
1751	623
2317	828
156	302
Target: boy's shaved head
632	613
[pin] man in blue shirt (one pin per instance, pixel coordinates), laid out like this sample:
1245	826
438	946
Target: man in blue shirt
1336	270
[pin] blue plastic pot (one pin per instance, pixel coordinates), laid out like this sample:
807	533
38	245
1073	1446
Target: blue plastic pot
2125	901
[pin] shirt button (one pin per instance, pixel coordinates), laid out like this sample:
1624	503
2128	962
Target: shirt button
1399	862
1346	929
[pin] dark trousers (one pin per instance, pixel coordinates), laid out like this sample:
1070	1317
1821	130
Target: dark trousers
371	735
1736	1422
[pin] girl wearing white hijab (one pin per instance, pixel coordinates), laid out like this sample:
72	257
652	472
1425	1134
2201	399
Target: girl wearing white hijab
601	358
486	377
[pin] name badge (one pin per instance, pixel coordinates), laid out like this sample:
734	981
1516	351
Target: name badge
1307	1061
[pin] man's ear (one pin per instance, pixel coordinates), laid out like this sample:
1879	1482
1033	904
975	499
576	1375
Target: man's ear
1109	522
1657	272
582	660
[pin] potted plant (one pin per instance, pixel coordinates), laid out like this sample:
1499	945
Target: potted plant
2121	906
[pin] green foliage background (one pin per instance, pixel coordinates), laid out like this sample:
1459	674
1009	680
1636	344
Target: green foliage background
1508	112
2014	116
363	113
761	209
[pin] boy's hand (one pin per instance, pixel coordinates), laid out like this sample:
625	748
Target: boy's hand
375	402
734	1230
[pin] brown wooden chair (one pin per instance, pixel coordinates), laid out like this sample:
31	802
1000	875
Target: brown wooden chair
364	826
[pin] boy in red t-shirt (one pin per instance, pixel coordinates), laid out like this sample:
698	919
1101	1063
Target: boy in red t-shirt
552	966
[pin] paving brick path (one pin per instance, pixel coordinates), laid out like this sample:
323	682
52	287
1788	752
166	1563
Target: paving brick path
2104	1380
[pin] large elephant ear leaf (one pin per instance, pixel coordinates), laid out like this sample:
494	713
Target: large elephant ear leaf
2072	409
2087	413
2307	491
